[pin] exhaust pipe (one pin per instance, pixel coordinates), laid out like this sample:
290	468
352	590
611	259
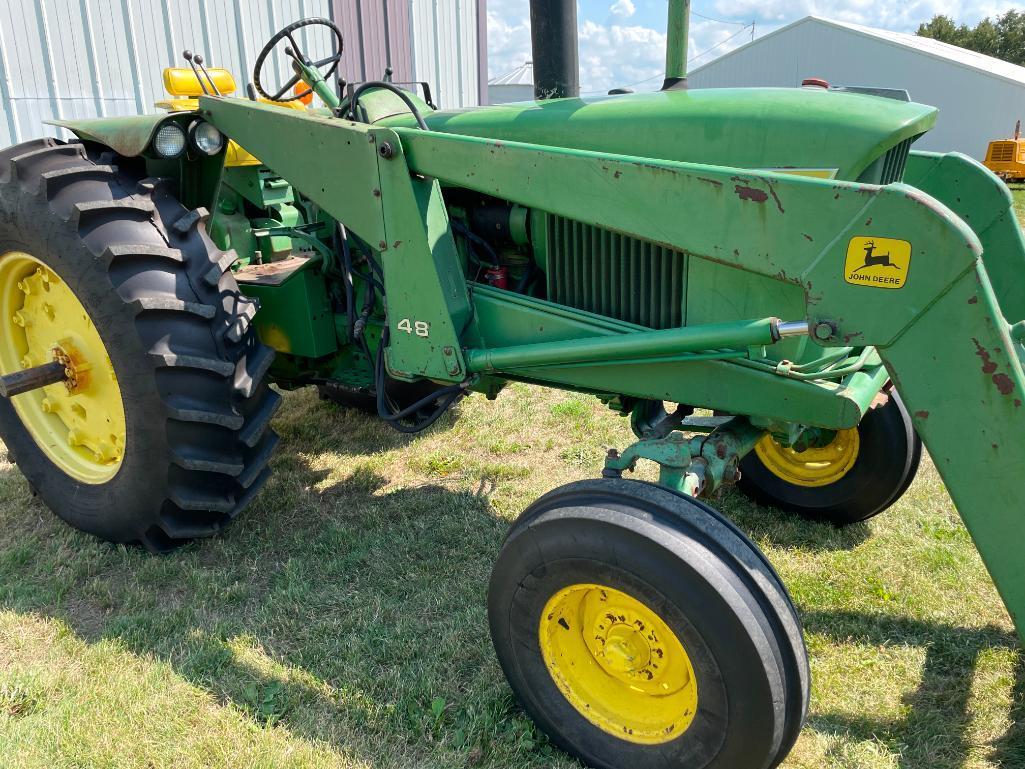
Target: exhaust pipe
678	30
553	40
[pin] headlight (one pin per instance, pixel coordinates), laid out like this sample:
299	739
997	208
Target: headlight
205	137
169	141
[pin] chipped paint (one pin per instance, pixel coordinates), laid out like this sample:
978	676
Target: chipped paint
1003	382
751	193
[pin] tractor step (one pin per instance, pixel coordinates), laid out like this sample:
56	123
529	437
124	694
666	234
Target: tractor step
272	273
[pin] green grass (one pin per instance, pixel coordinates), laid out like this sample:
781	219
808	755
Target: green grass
341	621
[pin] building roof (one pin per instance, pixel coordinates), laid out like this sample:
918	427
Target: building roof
523	75
923	45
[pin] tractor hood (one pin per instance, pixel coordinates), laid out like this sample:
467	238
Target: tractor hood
832	134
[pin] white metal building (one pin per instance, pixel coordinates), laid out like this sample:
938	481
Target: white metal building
517	85
979	97
92	58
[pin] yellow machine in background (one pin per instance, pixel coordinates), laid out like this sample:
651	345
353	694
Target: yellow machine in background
1006	157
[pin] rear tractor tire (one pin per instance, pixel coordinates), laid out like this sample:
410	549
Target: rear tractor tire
858	474
641	630
162	433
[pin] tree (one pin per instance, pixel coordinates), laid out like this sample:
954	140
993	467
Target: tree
1003	38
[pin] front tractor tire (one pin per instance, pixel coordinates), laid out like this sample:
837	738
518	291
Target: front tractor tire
641	630
162	435
852	477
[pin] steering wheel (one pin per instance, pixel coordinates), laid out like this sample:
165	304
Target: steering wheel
331	62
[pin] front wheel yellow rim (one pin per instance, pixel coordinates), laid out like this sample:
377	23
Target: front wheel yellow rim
78	424
618	664
816	465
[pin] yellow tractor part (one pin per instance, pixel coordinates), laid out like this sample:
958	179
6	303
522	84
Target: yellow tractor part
816	465
618	663
79	424
1006	157
183	86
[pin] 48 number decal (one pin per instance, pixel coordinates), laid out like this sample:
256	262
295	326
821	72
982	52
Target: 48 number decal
418	327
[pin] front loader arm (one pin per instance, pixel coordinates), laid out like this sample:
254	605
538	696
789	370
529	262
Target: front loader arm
939	328
942	334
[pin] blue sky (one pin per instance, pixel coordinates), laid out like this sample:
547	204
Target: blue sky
622	42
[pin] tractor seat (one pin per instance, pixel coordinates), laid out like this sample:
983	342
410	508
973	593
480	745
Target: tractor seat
182	81
183	85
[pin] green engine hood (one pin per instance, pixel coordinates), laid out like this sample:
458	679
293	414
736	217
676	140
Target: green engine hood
765	128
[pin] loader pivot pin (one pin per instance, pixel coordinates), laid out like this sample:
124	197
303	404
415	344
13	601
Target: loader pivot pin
32	379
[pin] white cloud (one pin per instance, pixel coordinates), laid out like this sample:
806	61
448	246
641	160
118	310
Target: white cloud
508	38
611	55
618	54
623	8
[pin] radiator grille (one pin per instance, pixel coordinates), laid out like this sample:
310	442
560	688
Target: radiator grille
894	162
1003	152
603	272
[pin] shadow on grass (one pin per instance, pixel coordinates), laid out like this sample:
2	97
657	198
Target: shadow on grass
769	525
347	611
934	732
351	614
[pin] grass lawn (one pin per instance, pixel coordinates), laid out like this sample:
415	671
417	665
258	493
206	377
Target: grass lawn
341	622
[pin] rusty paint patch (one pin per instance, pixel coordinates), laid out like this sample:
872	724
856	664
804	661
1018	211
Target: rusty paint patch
617	174
1003	383
923	414
973	300
779	203
1017	403
868	222
988	366
750	193
396	244
713	182
808	237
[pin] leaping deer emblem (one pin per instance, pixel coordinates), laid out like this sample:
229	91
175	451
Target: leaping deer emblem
871	260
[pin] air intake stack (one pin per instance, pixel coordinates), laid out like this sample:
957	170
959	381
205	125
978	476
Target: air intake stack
553	38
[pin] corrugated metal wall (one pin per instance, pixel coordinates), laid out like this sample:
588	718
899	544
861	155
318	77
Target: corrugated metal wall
376	33
449	48
88	58
445	49
975	107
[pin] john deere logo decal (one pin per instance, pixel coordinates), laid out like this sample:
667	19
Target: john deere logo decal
877	262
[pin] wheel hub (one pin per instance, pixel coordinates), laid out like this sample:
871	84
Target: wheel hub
79	423
618	663
815	466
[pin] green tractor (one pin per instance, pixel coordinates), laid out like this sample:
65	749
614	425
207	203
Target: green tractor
778	257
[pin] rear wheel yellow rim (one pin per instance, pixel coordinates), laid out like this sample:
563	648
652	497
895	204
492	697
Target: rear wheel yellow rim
78	424
816	465
618	664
